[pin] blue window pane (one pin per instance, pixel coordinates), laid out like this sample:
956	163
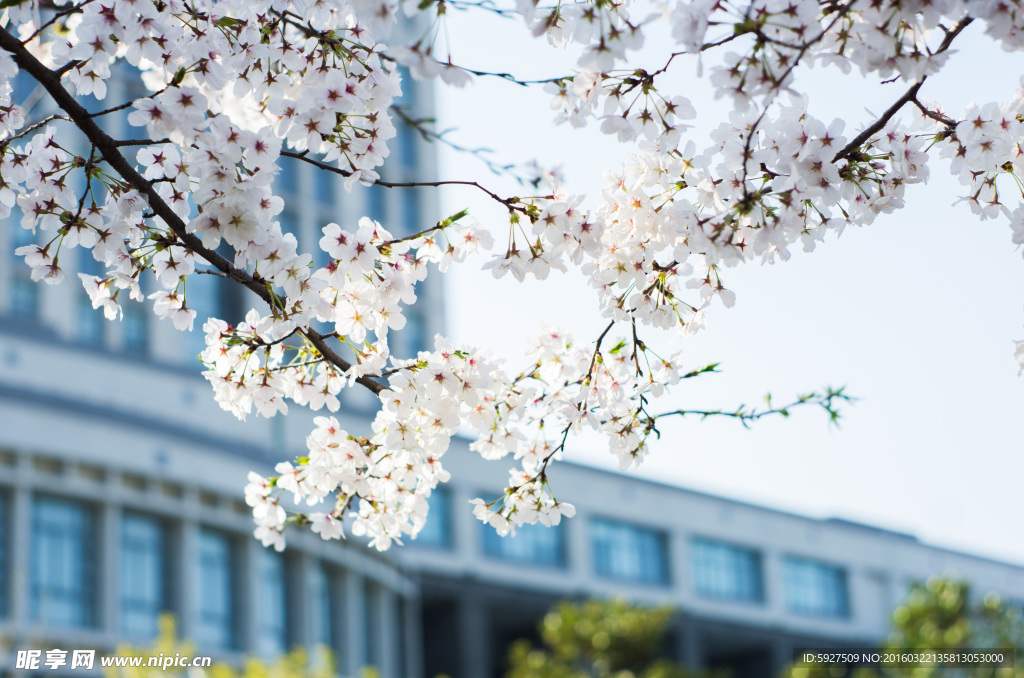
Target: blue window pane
286	183
24	292
408	139
375	204
438	530
91	323
413	337
142	575
726	571
128	78
24	297
320	605
628	552
201	296
134	328
371	637
24	88
62	563
412	218
216	596
533	544
326	185
408	84
815	588
273	622
289	220
4	579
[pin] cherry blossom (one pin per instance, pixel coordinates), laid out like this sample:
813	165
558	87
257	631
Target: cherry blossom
238	89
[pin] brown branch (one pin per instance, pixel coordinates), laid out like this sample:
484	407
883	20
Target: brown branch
881	122
934	115
109	148
908	96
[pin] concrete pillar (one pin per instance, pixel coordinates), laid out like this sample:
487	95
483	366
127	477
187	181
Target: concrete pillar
771	581
354	646
473	641
466	529
579	553
680	572
108	579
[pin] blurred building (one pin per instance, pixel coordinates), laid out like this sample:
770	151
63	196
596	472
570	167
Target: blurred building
120	478
120	497
751	584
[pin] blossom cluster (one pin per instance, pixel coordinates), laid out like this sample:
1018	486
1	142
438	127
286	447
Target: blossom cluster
360	292
237	88
385	478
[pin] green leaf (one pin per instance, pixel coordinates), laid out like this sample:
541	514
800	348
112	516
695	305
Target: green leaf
4	4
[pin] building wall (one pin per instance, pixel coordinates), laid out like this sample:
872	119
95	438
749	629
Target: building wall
108	425
753	634
176	460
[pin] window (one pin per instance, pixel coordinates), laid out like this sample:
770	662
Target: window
273	609
408	138
320	605
291	223
216	596
326	184
287	180
91	322
134	328
371	636
202	295
24	292
726	571
406	144
438	530
629	552
533	544
412	219
815	588
143	595
63	558
413	337
132	88
4	579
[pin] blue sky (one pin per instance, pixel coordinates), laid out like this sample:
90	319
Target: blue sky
915	315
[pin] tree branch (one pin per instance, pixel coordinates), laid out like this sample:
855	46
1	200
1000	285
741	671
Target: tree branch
878	124
934	115
109	148
510	203
908	96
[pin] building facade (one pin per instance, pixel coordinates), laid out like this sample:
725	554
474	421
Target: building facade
751	585
120	478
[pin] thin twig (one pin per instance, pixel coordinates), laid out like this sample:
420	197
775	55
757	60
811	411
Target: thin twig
908	96
511	203
50	80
